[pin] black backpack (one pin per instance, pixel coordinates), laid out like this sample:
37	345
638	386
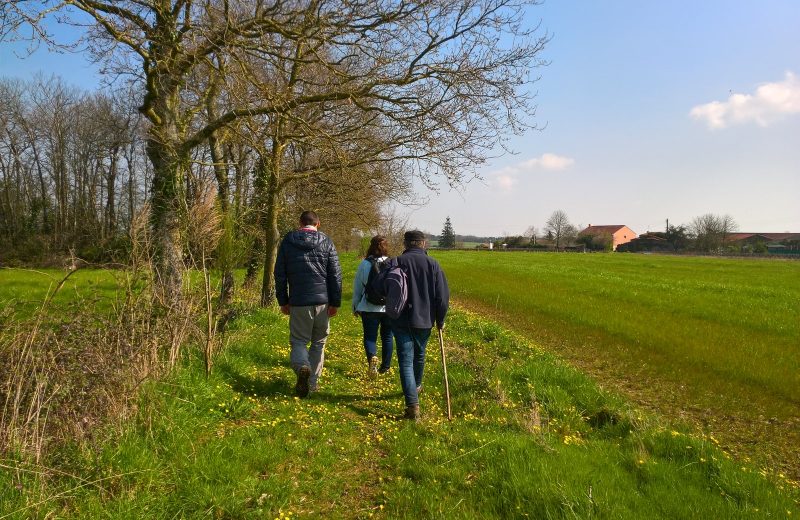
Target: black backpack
378	266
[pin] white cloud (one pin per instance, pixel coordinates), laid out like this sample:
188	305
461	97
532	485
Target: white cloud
505	181
769	103
551	161
506	177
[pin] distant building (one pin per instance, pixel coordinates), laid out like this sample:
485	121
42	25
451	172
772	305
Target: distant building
649	241
620	234
778	243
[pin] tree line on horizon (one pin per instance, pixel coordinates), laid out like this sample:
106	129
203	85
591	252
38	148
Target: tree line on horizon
705	233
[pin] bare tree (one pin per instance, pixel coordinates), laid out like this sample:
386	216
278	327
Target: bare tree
727	226
420	107
531	233
711	231
393	225
559	227
61	167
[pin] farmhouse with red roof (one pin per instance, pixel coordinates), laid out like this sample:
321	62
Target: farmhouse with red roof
620	234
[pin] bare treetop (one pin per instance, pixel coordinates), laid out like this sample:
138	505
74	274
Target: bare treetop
457	63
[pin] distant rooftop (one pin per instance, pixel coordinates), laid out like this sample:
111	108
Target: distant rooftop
610	229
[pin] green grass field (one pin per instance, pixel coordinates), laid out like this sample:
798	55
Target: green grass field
23	291
531	438
716	341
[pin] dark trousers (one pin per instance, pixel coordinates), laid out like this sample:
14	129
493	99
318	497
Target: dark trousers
375	323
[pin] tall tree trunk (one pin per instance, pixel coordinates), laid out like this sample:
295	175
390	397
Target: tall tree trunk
45	200
111	211
168	178
272	201
254	260
240	177
12	179
223	196
130	162
256	255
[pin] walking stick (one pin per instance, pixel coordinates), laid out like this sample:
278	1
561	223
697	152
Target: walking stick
444	367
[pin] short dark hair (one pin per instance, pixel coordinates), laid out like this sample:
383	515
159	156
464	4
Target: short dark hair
378	246
414	238
414	243
309	218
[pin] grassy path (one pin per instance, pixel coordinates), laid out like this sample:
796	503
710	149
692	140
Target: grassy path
532	438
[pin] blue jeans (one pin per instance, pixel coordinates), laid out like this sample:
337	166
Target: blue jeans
411	345
372	322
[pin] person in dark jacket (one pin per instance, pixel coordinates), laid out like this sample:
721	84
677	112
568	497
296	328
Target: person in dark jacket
308	286
428	300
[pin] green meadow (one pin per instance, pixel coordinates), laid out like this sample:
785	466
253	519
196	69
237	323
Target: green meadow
531	437
712	340
23	291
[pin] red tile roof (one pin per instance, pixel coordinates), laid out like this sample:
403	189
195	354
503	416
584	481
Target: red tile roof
735	237
598	230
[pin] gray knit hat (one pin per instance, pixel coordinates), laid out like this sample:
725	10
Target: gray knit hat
414	236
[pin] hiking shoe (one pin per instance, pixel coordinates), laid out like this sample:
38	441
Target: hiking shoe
419	389
412	412
302	381
373	367
383	370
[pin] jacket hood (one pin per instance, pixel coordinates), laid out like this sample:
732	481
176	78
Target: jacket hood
306	239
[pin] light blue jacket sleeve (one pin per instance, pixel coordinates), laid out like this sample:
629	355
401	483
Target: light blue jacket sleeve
362	274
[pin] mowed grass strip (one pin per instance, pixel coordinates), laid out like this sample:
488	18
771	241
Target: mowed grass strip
531	438
717	339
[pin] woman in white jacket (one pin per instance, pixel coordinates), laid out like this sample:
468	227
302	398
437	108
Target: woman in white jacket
373	313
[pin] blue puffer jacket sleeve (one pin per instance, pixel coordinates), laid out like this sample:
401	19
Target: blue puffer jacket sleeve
334	277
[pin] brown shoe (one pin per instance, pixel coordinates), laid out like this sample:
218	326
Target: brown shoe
412	412
302	381
372	370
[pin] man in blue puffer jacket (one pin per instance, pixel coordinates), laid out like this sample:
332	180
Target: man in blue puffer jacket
308	286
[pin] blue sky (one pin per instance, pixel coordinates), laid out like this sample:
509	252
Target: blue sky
617	99
653	110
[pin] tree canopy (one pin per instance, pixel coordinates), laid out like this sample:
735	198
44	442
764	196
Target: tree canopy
366	91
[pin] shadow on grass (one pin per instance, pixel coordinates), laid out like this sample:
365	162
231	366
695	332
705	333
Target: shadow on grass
365	412
337	398
258	387
257	357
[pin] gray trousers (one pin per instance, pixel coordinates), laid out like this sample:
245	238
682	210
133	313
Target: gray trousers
308	325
